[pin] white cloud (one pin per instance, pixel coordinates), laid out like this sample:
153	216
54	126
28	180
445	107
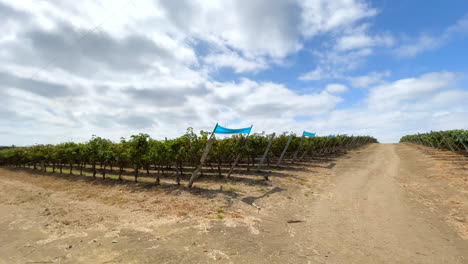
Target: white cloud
269	100
253	28
149	67
336	88
448	98
359	38
314	75
426	42
347	51
118	68
322	15
256	28
421	44
461	27
388	126
390	95
333	64
244	36
443	101
361	41
236	62
372	78
405	106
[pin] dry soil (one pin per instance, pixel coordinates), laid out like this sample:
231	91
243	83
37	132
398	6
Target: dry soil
385	203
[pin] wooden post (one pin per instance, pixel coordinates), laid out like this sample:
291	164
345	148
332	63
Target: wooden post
446	141
418	141
325	146
349	145
333	146
423	142
338	147
430	143
266	152
284	150
303	155
233	166
437	141
298	148
461	140
359	142
202	159
238	156
322	146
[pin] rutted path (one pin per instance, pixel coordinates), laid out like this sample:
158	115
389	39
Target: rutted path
367	216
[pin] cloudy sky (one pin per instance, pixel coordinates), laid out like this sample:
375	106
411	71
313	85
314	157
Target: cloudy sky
385	68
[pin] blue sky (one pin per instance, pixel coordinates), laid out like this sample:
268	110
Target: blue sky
399	19
116	68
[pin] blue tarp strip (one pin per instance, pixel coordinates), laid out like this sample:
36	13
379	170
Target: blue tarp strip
308	134
223	130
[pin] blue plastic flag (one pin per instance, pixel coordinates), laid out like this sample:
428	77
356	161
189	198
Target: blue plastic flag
308	134
345	135
330	136
223	130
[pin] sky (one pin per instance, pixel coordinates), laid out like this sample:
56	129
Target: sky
387	68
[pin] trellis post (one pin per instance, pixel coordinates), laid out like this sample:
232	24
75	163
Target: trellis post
335	146
350	144
322	147
357	142
461	140
265	154
238	156
328	146
284	150
436	140
419	141
446	141
303	155
203	158
298	148
363	141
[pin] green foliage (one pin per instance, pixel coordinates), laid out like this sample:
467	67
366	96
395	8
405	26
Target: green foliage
141	151
453	140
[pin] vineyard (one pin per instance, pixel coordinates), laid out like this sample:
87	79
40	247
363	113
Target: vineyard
178	157
452	140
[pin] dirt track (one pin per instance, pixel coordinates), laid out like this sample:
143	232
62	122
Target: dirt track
387	203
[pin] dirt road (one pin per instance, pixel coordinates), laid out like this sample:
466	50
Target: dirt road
368	216
386	203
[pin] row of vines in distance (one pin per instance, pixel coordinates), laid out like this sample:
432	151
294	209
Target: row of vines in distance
453	140
141	152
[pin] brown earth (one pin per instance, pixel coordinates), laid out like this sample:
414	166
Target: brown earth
386	203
